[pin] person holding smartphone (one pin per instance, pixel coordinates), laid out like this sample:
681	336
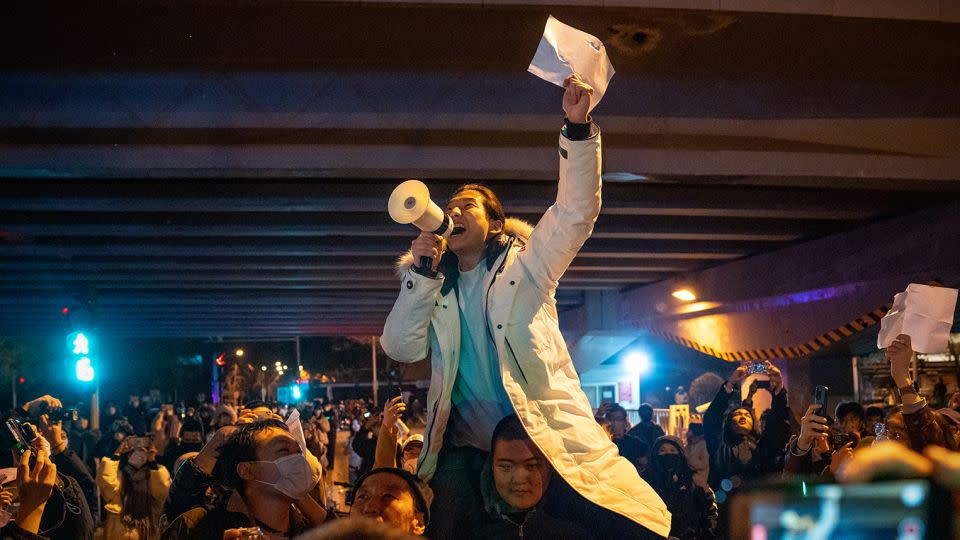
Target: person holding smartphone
740	446
36	478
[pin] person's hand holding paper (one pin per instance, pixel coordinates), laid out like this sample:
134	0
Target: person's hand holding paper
922	312
565	51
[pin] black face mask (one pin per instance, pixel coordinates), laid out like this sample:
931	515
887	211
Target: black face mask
671	462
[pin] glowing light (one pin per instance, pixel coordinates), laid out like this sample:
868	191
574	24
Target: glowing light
696	307
84	370
263	368
285	367
638	362
65	311
239	352
220	360
296	392
684	295
81	345
913	495
277	363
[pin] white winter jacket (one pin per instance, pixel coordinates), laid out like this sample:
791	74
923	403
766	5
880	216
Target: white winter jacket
535	366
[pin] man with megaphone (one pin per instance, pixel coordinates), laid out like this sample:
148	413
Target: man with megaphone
484	306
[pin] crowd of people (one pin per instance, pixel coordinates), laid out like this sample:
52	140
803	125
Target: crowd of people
204	471
511	447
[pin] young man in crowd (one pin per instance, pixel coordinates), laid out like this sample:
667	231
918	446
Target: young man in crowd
523	497
614	419
849	417
485	308
393	496
270	480
513	489
647	431
195	482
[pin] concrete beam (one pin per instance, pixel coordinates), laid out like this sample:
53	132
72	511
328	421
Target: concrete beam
788	296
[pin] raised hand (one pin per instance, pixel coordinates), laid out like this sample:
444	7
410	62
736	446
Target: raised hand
839	457
576	99
776	378
33	407
900	355
34	484
392	411
53	432
207	458
812	427
737	377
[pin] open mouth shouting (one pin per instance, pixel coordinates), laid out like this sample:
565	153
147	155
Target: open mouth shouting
458	230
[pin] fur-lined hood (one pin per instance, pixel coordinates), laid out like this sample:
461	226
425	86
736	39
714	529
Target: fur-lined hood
512	228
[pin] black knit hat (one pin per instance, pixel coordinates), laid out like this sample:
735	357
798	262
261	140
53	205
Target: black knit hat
422	494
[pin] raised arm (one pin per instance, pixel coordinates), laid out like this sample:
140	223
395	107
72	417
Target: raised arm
386	455
567	224
713	418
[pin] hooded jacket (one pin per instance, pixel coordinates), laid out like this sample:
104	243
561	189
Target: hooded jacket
693	507
535	366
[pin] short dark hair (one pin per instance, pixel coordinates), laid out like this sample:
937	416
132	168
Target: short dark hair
241	446
616	408
874	410
510	428
491	203
849	407
645	411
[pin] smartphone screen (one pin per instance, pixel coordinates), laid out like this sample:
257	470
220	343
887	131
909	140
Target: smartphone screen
138	443
820	398
910	509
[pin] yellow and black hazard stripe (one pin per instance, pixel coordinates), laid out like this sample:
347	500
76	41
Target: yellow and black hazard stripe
826	339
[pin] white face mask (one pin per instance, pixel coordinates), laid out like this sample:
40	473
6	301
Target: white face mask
137	459
295	476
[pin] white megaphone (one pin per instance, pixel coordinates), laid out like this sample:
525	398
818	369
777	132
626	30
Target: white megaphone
410	203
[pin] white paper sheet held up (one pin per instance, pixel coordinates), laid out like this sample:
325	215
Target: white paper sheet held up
922	312
564	51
